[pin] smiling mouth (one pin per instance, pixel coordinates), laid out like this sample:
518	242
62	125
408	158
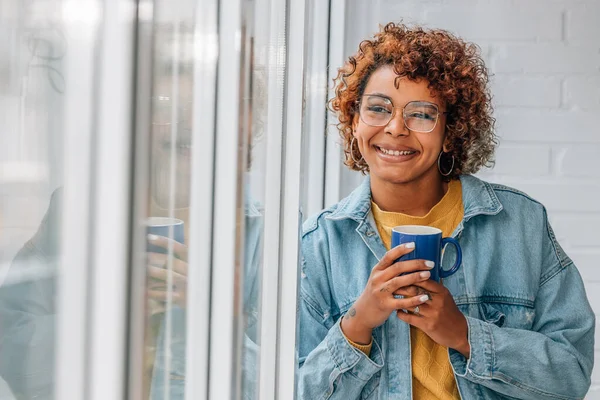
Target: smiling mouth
396	153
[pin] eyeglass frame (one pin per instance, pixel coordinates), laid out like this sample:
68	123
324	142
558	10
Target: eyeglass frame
358	104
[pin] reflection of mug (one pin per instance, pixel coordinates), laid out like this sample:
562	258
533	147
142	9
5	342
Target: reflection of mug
163	226
428	246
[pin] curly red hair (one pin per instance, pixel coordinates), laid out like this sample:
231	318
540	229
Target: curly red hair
455	72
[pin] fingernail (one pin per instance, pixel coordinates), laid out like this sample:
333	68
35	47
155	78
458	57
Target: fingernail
152	237
424	298
425	274
429	264
409	245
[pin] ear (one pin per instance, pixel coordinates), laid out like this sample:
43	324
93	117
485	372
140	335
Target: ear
445	145
354	124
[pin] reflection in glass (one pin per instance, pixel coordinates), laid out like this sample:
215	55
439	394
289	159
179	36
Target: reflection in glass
33	54
169	197
253	112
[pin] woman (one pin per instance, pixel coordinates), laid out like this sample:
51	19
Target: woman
513	322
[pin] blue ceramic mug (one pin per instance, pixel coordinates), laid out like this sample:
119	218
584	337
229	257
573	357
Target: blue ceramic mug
164	226
429	244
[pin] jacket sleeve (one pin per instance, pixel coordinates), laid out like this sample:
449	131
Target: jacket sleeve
554	359
28	314
329	367
27	354
27	329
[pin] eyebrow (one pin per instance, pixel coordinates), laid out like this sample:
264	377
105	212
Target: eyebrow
379	95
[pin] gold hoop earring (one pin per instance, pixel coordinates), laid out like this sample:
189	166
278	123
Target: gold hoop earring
439	163
352	152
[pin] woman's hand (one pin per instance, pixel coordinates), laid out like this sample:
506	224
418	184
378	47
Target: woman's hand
158	272
440	318
377	301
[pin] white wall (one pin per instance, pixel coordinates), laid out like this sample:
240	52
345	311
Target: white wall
545	55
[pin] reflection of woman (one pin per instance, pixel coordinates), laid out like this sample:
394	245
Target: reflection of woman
161	186
253	215
415	116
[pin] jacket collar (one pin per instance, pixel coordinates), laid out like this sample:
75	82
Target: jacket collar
478	198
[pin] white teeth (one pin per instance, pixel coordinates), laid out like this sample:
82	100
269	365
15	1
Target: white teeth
396	152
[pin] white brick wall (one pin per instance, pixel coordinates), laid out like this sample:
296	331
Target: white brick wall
582	92
581	22
546	59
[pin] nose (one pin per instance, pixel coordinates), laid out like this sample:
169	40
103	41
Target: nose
396	127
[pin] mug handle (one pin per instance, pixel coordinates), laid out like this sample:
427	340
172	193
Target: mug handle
454	242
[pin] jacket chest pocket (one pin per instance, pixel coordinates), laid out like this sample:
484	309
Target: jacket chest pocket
504	314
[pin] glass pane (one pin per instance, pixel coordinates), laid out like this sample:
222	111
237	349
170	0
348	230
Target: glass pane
314	125
255	26
37	48
168	202
167	223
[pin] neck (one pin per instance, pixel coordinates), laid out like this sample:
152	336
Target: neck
414	198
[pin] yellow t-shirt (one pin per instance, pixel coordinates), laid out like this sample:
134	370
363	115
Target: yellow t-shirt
432	373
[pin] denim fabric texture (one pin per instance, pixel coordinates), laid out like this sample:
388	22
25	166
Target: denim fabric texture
531	327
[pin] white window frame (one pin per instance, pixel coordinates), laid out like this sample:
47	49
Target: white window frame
317	82
273	198
287	360
109	276
91	331
224	346
201	213
334	154
79	135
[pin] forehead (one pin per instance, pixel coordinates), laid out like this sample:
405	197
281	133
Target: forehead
383	82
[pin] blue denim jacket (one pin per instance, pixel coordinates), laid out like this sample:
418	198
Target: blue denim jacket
531	328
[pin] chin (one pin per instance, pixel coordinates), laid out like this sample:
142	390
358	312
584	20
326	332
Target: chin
400	177
395	178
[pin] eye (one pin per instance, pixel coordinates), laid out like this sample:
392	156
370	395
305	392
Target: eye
421	115
378	109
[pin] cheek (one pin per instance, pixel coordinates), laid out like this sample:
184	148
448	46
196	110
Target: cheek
433	143
364	134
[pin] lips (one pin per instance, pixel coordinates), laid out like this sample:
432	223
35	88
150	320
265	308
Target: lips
397	151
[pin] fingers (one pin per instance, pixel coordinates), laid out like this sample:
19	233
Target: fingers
410	318
431	286
163	296
163	274
408	291
180	250
409	303
407	280
392	255
162	261
404	267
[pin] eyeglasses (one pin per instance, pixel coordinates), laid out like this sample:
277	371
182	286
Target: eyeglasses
418	116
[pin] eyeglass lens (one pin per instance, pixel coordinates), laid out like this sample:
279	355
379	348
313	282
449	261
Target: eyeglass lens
419	116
